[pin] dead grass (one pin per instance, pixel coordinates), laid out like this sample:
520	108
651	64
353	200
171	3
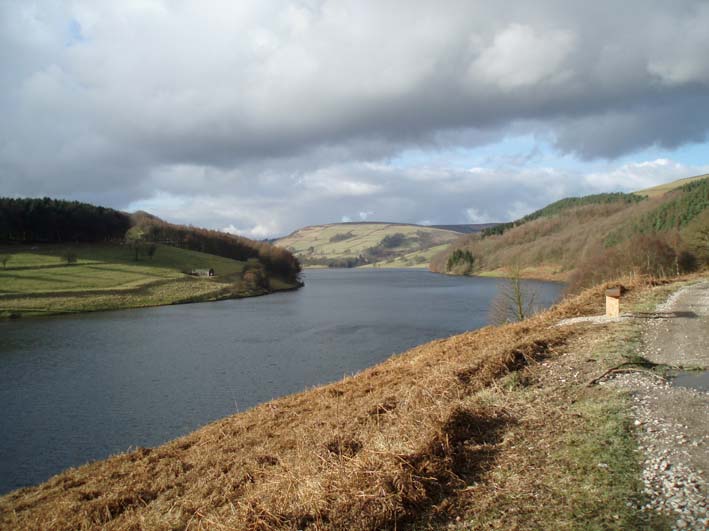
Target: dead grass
570	461
428	435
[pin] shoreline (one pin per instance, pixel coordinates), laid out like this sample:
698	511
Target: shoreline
528	275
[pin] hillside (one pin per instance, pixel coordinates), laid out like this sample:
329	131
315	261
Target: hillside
372	244
65	256
591	238
468	432
38	279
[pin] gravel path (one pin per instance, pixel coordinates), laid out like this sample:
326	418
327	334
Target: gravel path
672	421
678	332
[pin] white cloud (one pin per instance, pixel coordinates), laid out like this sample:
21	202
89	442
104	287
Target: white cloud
257	232
522	56
640	175
475	215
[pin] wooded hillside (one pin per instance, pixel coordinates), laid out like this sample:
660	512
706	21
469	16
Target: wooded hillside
55	221
593	238
275	260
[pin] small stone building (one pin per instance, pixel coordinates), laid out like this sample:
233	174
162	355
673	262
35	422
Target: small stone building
203	272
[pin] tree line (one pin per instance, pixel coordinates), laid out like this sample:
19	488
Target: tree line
55	221
561	205
275	260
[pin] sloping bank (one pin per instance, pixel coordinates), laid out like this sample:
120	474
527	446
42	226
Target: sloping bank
489	429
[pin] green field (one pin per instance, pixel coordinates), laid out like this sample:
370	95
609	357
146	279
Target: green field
37	280
322	244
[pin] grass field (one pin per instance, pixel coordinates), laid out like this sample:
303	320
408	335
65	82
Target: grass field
319	244
37	280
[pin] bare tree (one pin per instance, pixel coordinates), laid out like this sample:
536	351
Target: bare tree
514	300
135	237
5	258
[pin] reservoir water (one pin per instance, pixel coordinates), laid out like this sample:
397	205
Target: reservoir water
80	388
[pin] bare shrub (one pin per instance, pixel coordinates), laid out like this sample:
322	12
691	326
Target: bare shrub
642	255
514	300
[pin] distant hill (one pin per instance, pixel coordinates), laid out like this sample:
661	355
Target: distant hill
587	239
462	228
369	244
466	229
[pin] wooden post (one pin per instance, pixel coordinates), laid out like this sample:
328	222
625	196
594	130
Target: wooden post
613	302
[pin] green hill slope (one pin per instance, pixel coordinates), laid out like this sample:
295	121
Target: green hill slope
367	244
590	238
117	260
38	279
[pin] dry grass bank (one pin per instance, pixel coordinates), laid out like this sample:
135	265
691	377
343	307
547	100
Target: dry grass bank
428	436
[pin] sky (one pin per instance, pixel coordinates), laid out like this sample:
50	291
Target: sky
260	117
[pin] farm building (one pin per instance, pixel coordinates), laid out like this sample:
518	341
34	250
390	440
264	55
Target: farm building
203	272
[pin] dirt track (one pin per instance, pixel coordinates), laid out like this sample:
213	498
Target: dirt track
680	336
673	421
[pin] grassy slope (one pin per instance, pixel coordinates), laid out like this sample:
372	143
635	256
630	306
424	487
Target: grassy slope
551	247
417	258
38	281
365	236
470	431
662	189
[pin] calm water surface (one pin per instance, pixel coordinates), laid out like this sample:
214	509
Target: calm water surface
80	388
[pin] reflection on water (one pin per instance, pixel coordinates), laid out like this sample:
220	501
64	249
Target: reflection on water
80	388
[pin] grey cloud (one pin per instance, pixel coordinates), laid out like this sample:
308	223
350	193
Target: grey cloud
118	101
